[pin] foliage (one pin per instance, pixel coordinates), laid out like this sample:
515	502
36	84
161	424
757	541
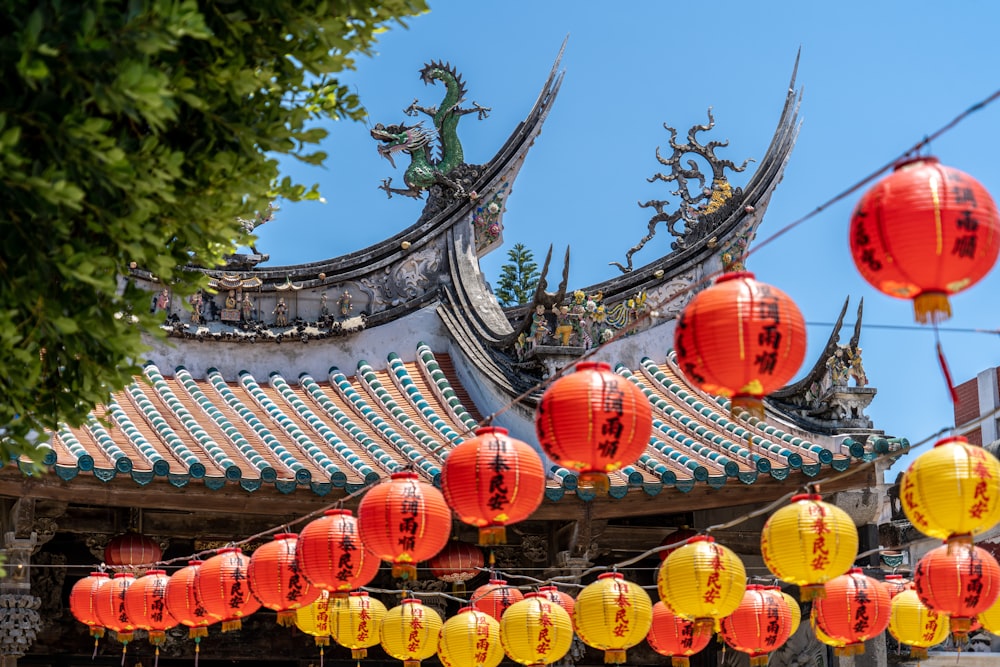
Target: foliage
136	134
518	277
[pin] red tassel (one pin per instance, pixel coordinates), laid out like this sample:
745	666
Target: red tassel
947	374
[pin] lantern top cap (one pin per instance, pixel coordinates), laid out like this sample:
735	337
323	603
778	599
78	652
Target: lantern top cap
286	536
359	593
593	366
195	562
893	577
155	572
700	538
610	575
98	573
498	582
466	610
548	588
735	275
910	162
487	430
406	474
228	550
411	601
535	595
855	570
756	587
806	496
955	439
120	575
337	513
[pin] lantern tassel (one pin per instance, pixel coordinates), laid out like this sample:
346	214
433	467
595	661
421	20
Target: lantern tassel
322	641
411	663
321	656
931	308
492	535
94	656
406	571
197	633
124	649
124	637
614	656
680	661
759	660
232	624
960	628
157	637
810	592
359	653
947	374
458	588
752	404
286	618
156	657
596	481
197	650
918	653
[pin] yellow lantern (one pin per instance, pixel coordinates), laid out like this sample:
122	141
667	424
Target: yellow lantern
914	623
536	631
314	619
952	490
703	581
410	632
823	637
355	622
809	542
470	639
990	619
793	606
613	615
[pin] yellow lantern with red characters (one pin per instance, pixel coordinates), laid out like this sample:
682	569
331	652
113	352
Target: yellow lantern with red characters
536	631
990	619
612	615
314	619
703	581
761	624
913	623
470	639
410	632
809	542
952	490
356	622
793	607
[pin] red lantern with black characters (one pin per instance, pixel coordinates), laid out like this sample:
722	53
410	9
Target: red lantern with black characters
146	606
110	606
457	563
958	579
925	232
404	521
275	579
184	603
564	600
491	481
675	540
676	637
741	339
83	602
495	597
855	609
593	422
332	556
223	589
761	624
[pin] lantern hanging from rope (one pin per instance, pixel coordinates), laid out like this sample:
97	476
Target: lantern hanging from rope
593	421
990	619
761	623
895	584
492	481
275	579
410	632
495	598
855	609
146	606
612	615
564	600
958	579
536	631
110	605
185	605
314	619
331	555
457	563
793	607
83	602
131	550
913	623
952	490
703	581
675	637
356	621
470	639
925	232
675	540
741	339
836	644
809	542
403	521
221	583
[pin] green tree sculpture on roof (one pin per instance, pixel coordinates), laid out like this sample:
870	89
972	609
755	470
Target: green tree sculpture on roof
136	134
518	277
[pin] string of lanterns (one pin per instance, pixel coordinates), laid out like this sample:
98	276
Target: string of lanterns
740	339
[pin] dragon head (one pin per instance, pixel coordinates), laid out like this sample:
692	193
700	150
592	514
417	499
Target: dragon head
396	138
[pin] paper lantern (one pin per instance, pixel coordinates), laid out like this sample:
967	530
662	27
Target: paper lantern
332	556
675	637
820	633
536	631
404	521
914	623
314	619
457	563
895	584
593	421
470	639
410	632
83	601
275	579
612	615
146	606
674	540
184	602
855	609
223	590
793	607
495	598
110	606
492	481
952	490
131	550
924	232
741	339
958	579
703	581
564	600
761	623
990	619
356	621
809	542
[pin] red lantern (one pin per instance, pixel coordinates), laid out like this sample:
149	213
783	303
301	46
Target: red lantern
924	232
741	339
132	549
404	521
110	605
895	584
222	587
675	636
675	540
146	606
495	597
332	556
83	602
491	481
855	609
564	600
457	563
593	421
274	578
761	624
184	603
958	579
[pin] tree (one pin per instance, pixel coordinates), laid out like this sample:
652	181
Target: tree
518	277
136	134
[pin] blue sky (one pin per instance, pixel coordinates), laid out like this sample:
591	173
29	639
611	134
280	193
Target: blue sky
877	78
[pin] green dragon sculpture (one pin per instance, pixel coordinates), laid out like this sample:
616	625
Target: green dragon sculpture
425	171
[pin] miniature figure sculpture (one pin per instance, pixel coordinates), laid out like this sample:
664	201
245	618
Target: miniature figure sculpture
324	309
344	304
161	301
280	313
539	329
196	308
231	300
246	307
564	328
